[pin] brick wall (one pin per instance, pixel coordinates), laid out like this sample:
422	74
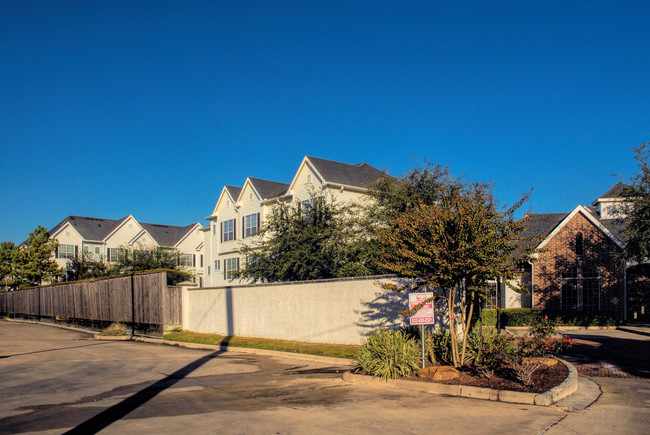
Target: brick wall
599	252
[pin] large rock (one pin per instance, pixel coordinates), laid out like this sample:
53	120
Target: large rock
439	373
545	362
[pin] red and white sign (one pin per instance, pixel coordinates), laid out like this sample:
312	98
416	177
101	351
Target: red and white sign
424	316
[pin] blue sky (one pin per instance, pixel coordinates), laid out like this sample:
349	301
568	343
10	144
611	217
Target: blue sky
111	108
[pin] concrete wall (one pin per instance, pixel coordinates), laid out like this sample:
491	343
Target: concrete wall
327	311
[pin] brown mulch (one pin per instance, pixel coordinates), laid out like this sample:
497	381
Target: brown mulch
543	379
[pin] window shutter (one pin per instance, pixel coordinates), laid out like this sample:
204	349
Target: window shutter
243	228
259	224
237	263
201	260
194	260
56	252
76	251
221	232
108	254
234	229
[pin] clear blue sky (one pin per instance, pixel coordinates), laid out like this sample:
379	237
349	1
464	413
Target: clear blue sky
111	108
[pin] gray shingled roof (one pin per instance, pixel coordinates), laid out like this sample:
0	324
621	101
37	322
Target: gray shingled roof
616	191
616	226
540	225
90	228
358	175
269	189
234	191
167	235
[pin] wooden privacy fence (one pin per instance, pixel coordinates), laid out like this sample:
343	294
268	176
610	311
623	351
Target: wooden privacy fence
143	301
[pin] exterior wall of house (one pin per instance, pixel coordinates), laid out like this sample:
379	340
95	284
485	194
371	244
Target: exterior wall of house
559	254
193	244
124	234
306	182
70	237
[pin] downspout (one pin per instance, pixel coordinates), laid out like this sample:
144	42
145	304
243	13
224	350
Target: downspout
625	291
532	285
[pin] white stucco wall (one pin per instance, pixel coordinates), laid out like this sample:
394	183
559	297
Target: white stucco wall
329	311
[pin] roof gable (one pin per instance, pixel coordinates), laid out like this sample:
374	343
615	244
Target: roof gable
227	192
89	228
591	218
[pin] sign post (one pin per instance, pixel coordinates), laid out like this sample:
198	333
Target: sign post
424	316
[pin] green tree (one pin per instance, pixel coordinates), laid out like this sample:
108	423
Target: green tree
454	239
86	266
315	239
637	234
144	258
35	260
7	263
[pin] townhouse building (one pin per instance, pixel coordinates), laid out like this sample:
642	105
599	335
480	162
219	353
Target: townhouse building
106	239
241	211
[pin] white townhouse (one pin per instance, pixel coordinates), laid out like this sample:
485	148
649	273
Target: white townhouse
240	211
105	239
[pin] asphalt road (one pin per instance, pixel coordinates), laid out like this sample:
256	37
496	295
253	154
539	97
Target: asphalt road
58	381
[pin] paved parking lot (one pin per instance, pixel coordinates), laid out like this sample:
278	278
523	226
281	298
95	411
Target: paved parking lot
57	381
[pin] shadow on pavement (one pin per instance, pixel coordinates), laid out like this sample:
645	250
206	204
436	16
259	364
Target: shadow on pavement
120	410
628	355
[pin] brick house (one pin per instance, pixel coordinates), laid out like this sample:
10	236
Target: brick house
578	265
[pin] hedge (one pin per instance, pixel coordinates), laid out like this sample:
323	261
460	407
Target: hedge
522	317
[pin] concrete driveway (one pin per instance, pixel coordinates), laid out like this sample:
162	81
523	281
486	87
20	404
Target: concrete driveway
57	381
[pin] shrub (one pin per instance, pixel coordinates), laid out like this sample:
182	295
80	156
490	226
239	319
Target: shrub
523	317
487	350
437	346
542	339
389	354
116	329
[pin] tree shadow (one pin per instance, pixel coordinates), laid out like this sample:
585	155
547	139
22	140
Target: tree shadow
128	405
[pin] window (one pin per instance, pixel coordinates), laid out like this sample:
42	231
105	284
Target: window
491	295
580	289
230	265
251	224
186	260
208	270
308	203
579	249
67	251
228	230
217	264
115	254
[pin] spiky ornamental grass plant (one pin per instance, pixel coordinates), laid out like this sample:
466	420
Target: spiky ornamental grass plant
389	355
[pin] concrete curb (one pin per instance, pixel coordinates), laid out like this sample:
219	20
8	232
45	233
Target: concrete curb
298	356
55	325
566	388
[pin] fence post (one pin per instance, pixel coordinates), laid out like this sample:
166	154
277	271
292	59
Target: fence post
132	307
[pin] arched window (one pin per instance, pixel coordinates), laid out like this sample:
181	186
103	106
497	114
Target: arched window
580	289
579	248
